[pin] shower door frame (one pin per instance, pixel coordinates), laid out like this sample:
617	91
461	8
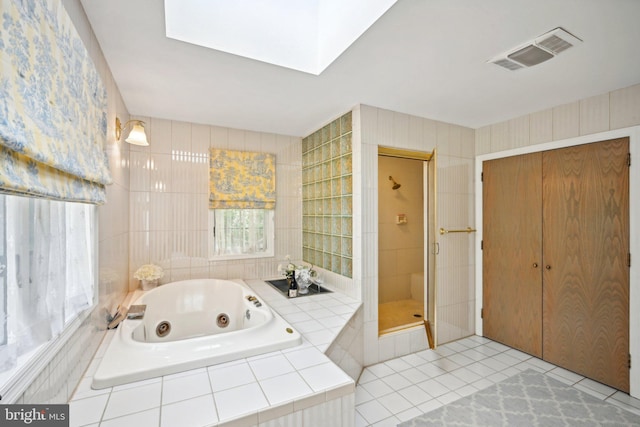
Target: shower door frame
430	245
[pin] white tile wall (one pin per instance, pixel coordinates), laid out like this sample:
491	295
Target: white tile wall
540	127
594	114
455	154
519	134
169	200
483	140
347	350
566	121
499	136
625	107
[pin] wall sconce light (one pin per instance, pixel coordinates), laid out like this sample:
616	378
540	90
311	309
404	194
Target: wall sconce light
137	136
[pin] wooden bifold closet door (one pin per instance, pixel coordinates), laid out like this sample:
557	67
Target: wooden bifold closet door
582	266
512	252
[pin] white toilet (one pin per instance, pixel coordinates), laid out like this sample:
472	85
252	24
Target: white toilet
417	286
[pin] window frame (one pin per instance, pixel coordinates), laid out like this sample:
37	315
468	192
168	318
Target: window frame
269	231
32	364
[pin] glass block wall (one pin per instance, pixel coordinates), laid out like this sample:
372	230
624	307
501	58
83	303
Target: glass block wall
327	205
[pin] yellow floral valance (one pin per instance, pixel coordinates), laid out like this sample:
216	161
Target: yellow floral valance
53	106
242	180
22	176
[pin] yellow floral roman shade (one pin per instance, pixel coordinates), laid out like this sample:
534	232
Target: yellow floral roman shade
242	180
53	107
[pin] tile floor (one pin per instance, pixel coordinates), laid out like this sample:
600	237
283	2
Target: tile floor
400	389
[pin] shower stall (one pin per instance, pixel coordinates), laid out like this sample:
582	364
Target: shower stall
401	254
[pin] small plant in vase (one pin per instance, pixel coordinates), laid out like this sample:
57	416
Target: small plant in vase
149	274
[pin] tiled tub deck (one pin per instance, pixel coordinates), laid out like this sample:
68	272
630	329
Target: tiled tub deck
298	386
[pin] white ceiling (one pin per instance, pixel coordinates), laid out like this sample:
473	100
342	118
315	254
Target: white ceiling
422	57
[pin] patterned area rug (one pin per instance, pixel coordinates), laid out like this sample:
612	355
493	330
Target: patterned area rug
527	399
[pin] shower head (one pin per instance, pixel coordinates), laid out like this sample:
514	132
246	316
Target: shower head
395	184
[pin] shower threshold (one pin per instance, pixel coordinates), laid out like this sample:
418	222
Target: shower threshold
401	327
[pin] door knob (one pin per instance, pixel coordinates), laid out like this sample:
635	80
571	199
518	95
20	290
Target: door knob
548	267
535	265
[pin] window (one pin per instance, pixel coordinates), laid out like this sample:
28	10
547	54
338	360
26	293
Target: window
241	233
47	275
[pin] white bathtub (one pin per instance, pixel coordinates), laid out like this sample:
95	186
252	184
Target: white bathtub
195	340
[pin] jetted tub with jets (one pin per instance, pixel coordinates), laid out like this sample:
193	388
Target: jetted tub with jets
191	324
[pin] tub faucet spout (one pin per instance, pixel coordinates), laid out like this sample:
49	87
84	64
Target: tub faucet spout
120	315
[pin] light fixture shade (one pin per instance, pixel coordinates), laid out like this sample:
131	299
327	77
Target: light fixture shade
137	136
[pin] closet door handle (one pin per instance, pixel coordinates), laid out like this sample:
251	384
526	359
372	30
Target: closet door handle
548	267
535	265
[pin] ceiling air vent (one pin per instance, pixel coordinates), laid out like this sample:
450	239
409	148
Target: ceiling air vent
506	63
536	51
530	55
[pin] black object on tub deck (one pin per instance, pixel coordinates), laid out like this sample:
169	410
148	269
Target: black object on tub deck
282	286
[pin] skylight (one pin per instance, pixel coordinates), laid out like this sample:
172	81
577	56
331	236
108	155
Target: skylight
305	35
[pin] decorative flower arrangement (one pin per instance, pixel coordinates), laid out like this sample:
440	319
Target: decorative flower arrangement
149	272
287	269
301	271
